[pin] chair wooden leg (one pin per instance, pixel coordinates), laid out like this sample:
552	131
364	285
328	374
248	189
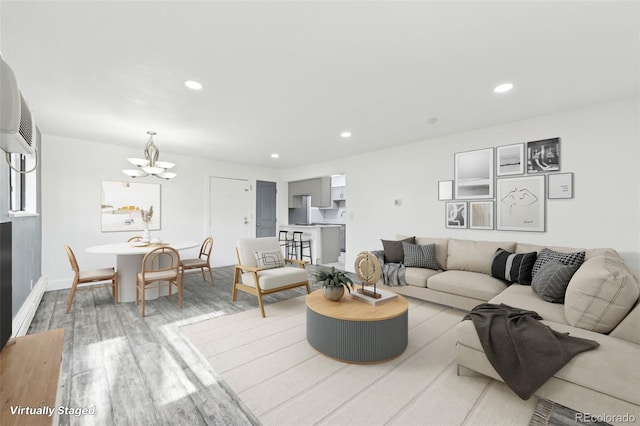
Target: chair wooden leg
170	288
72	294
180	293
261	305
308	289
213	283
137	292
142	288
116	295
234	291
203	278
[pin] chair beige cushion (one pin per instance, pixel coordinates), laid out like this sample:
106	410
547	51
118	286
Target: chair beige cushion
601	293
475	256
159	275
96	274
469	284
269	279
194	263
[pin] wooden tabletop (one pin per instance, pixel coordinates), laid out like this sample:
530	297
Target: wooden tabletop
350	309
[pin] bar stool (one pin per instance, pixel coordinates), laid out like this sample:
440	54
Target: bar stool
285	242
300	244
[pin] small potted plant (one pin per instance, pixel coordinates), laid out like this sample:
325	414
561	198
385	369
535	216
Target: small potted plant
333	283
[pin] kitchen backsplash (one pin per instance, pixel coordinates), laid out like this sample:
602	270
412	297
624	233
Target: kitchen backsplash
328	215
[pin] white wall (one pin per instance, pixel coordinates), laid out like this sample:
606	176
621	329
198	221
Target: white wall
72	172
599	143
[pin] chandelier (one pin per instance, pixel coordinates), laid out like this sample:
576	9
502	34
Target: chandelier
150	164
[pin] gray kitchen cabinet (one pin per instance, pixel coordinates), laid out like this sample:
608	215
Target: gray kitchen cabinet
319	189
339	193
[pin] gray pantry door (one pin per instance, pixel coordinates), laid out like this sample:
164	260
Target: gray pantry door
265	209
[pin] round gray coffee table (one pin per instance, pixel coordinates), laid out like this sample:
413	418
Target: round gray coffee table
355	331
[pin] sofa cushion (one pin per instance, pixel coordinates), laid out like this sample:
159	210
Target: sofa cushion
474	256
515	268
442	246
601	293
475	285
546	254
419	256
523	297
552	280
418	277
607	369
393	252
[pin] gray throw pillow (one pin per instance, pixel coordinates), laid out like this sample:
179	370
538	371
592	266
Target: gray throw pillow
546	255
552	280
418	256
393	252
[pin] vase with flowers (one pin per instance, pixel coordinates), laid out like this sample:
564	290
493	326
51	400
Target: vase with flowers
146	218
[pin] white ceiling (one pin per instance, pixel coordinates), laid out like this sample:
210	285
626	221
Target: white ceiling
288	77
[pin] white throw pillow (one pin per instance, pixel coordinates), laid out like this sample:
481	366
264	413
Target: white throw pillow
269	259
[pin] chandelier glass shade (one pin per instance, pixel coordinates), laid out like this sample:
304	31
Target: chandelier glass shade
149	165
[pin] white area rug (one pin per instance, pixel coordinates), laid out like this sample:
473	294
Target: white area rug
284	381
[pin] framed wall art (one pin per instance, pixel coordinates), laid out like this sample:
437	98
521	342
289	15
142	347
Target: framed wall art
445	190
481	215
122	203
456	215
543	156
521	204
510	160
560	185
474	174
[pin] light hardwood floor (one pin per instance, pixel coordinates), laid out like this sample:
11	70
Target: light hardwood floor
140	371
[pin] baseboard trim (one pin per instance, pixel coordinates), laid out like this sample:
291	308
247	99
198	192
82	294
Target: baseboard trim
25	315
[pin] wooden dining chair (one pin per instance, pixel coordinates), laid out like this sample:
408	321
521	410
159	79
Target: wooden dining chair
160	268
202	261
93	277
135	238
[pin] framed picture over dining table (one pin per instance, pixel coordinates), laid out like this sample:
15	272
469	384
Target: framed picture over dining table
123	202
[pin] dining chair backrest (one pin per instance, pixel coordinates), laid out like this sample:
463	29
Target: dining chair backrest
205	249
72	259
161	259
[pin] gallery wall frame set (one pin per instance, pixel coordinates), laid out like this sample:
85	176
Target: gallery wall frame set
445	190
481	215
543	156
560	185
456	215
473	174
521	204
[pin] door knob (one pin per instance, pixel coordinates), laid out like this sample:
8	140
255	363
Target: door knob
246	221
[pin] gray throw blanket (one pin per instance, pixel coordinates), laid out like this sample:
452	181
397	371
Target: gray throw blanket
524	351
392	273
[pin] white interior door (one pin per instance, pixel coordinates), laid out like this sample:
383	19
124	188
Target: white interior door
230	217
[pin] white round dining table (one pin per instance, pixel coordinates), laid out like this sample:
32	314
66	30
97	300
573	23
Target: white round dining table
129	263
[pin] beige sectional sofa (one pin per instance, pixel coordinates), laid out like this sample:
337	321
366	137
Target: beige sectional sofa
601	304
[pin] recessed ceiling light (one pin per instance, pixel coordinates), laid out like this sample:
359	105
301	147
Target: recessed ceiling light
194	85
274	155
502	88
345	134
